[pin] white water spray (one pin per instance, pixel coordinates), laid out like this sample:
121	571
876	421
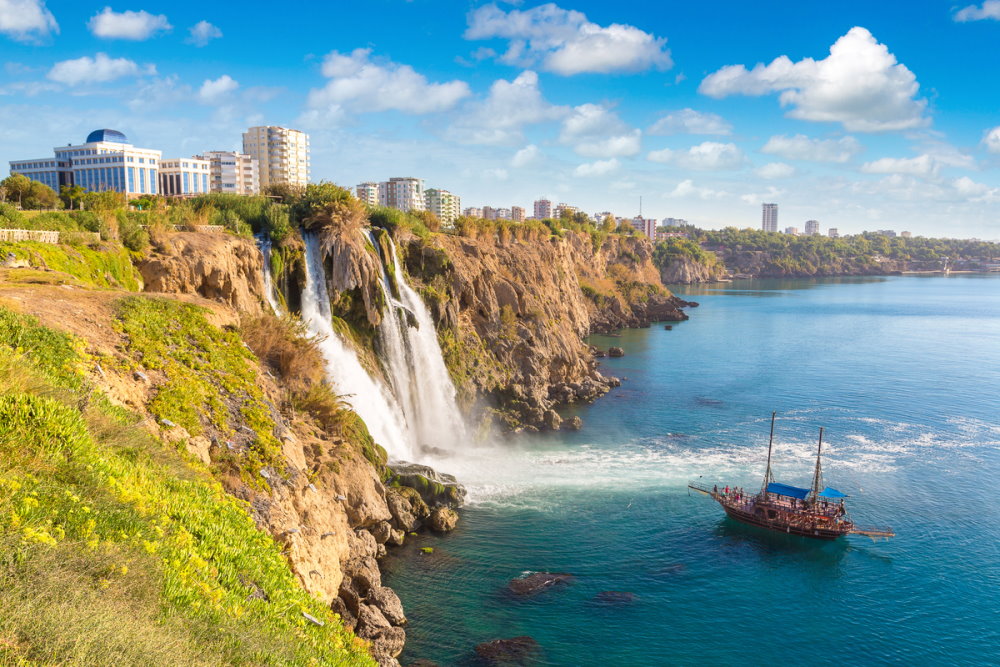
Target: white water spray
264	243
372	401
413	359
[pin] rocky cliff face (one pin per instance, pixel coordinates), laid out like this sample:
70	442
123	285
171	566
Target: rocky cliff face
686	271
217	266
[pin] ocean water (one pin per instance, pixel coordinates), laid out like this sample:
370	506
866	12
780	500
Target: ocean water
904	374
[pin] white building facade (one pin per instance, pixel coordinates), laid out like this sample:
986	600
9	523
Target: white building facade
812	227
184	177
445	205
106	161
769	217
232	172
368	193
282	155
405	193
543	209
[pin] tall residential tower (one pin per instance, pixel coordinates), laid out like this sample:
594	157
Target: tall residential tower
769	218
282	154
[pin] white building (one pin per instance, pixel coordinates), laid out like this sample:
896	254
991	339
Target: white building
368	192
232	172
543	209
404	193
812	227
445	205
833	233
489	213
184	177
517	213
675	222
503	214
564	208
793	231
769	217
282	154
105	161
473	212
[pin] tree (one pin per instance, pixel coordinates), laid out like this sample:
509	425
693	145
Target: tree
72	196
40	195
16	187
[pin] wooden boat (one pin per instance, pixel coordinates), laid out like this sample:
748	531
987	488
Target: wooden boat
817	512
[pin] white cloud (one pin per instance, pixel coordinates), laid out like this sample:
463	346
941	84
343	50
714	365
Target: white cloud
756	198
496	174
923	165
709	155
160	93
860	84
98	69
689	121
801	147
597	168
359	85
989	10
992	140
213	92
968	187
136	26
687	189
775	170
26	20
202	32
596	131
510	106
525	156
565	42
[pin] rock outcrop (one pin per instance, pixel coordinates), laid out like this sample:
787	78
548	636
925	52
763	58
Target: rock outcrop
217	266
686	271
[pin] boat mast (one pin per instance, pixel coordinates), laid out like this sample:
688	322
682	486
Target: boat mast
768	476
818	475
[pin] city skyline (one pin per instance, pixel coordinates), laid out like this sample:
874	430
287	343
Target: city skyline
582	103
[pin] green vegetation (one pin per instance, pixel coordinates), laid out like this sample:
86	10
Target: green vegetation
774	254
28	194
471	365
102	265
673	249
115	550
211	378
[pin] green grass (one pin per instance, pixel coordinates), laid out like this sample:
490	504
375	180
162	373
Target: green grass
108	266
211	377
114	550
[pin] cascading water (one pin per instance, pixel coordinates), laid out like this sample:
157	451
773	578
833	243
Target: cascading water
414	363
373	402
264	243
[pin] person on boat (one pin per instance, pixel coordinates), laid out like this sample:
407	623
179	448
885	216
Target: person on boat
727	489
715	489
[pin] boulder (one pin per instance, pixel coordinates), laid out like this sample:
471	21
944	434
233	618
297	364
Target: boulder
401	510
514	650
616	352
388	603
536	582
552	420
435	488
387	644
442	519
572	424
349	620
381	531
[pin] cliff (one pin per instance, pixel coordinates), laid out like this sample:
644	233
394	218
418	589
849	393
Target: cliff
686	271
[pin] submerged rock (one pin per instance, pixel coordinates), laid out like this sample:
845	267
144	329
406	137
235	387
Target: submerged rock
536	582
572	424
615	597
516	650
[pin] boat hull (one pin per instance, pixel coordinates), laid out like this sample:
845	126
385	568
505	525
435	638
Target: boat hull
816	533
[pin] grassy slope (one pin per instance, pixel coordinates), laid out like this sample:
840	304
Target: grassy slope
114	549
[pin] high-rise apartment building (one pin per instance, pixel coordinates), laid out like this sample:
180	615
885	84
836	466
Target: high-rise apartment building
792	231
473	212
769	218
282	154
645	225
812	227
833	233
517	213
445	205
489	213
368	192
105	161
566	209
232	172
543	209
184	177
404	193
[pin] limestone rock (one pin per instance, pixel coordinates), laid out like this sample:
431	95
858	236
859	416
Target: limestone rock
516	650
442	519
616	352
388	603
200	446
552	420
535	582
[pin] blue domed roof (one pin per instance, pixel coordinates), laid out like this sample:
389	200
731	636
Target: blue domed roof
107	135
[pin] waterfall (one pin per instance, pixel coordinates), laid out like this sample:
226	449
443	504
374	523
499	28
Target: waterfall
412	356
369	398
264	243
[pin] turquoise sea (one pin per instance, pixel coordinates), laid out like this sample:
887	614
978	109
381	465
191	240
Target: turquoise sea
904	374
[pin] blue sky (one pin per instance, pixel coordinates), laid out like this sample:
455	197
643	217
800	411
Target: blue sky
861	115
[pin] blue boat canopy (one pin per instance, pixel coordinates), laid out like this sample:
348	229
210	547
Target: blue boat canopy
831	493
786	490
